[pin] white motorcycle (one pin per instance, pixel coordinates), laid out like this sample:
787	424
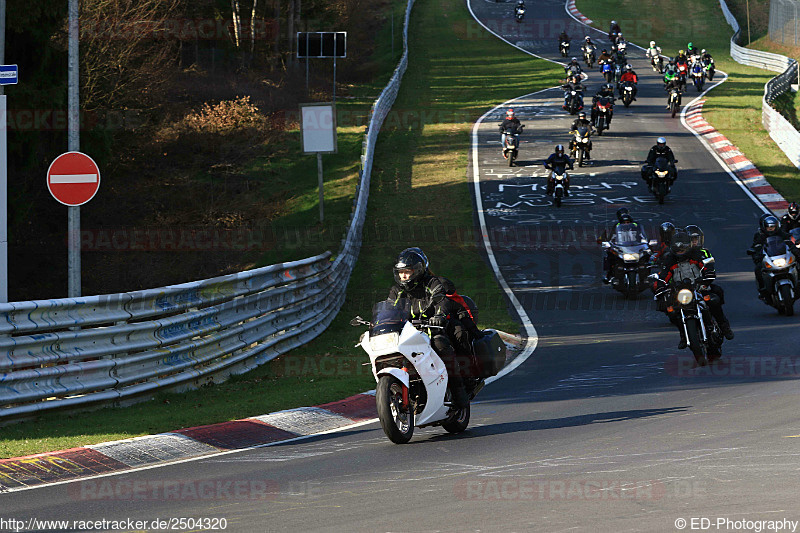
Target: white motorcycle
412	378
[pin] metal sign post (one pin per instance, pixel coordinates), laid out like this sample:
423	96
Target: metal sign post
318	128
73	145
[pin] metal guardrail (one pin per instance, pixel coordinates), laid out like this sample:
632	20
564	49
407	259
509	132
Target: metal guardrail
75	352
780	130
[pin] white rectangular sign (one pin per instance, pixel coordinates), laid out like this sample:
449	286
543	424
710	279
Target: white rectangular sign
318	126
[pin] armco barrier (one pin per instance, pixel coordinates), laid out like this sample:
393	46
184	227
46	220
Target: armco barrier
74	352
780	129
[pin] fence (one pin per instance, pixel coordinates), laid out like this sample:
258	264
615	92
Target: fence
780	130
76	352
783	21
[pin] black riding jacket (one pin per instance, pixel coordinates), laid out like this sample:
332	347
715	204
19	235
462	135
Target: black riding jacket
665	152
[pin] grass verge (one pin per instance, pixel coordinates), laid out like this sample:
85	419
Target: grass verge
420	196
734	108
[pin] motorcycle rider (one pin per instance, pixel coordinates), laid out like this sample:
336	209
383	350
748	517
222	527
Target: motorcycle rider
630	75
692	52
558	159
769	226
573	69
665	233
588	45
573	83
697	239
681	62
672	81
791	219
653	53
519	8
426	294
582	122
510	123
604	57
613	31
563	38
623	217
682	256
606	91
660	149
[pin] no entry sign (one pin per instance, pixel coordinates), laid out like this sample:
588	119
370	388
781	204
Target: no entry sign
73	178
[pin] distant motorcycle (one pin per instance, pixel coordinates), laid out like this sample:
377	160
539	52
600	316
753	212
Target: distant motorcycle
632	260
660	179
674	98
602	112
657	63
559	178
574	101
682	71
589	56
698	76
511	144
708	67
626	92
580	144
519	13
564	48
779	273
607	70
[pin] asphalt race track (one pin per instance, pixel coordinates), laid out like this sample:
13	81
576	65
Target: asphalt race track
607	427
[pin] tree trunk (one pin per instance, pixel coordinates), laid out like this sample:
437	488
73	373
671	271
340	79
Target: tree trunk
253	29
276	55
237	22
290	31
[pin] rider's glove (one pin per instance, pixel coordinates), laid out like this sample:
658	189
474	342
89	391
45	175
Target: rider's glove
438	321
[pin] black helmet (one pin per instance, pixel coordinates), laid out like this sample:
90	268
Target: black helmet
681	243
582	114
695	235
604	51
560	149
793	210
419	251
666	231
623	212
769	224
410	260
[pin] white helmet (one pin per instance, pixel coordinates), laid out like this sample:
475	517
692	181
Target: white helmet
652	44
703	51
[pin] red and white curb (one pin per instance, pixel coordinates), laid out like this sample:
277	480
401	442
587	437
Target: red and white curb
20	473
577	14
738	164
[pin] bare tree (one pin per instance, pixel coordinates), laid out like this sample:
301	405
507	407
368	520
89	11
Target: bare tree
237	22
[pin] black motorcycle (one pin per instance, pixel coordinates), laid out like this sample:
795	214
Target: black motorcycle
602	114
626	92
674	101
703	334
511	143
660	178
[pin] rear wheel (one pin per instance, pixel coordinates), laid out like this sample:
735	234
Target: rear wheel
458	422
787	300
693	338
397	422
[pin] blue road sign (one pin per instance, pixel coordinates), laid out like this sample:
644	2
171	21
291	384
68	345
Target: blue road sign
8	74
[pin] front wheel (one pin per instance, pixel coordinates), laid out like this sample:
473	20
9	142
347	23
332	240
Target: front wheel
511	156
397	422
697	347
787	300
458	422
674	109
580	157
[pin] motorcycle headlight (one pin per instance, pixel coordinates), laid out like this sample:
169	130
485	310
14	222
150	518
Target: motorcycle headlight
661	173
685	296
384	342
573	93
585	140
630	257
780	262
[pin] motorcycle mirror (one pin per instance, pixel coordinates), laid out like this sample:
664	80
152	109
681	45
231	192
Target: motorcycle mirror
357	321
653	243
606	245
750	251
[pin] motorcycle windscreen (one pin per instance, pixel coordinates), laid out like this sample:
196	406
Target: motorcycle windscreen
389	316
795	235
775	246
628	235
